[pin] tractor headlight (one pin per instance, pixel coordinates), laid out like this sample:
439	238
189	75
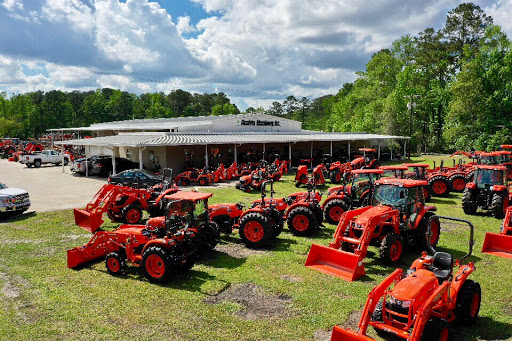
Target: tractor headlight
492	188
399	303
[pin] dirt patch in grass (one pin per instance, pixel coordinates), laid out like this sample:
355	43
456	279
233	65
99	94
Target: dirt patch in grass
447	226
255	302
352	320
322	335
238	250
10	289
293	279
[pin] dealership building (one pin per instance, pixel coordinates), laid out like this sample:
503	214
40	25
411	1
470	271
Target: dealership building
203	140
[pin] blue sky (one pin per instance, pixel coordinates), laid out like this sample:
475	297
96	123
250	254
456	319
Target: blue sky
254	51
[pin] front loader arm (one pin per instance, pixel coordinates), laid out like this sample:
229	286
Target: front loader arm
342	226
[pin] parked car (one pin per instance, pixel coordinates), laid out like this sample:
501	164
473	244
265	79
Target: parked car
103	165
46	156
13	201
78	165
134	178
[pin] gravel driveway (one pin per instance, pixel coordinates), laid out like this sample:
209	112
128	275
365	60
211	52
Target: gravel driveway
49	188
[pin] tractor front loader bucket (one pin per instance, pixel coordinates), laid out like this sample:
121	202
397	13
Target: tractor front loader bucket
340	334
498	244
89	221
341	264
98	246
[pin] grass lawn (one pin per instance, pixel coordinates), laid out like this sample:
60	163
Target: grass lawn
231	294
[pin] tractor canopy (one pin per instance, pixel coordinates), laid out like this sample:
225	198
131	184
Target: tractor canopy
191	196
489	175
488	158
503	156
398	192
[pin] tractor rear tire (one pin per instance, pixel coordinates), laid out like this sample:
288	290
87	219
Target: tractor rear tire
440	186
458	183
203	182
255	230
470	175
157	264
302	221
499	205
333	211
336	176
184	181
131	214
277	223
209	236
468	301
435	330
469	206
391	248
422	230
115	263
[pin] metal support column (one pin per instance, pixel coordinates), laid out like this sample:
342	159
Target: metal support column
206	156
405	148
289	151
391	152
114	160
378	154
87	151
62	155
141	164
236	155
349	151
331	152
263	156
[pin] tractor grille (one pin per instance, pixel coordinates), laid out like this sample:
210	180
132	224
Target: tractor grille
395	311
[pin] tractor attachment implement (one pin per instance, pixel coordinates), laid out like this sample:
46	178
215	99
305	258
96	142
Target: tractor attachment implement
500	244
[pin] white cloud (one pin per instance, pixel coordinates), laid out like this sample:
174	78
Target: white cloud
12	5
74	12
184	26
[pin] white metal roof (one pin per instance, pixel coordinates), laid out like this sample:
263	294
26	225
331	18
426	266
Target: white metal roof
166	139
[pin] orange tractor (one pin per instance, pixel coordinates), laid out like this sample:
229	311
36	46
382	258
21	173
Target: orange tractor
500	244
418	305
394	171
356	193
162	247
398	219
488	190
125	204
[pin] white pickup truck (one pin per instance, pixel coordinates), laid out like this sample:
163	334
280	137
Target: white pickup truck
13	201
46	156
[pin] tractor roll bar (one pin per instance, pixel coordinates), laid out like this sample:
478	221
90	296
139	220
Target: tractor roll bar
471	234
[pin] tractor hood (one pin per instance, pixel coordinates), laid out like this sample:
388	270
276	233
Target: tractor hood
419	285
375	211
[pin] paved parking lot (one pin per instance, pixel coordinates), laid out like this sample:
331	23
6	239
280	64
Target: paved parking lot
49	188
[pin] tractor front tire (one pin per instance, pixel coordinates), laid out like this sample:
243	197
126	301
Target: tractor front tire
422	230
203	182
184	181
131	214
157	264
333	211
468	205
302	221
255	230
336	176
115	263
468	301
499	205
440	186
458	183
209	236
391	248
435	330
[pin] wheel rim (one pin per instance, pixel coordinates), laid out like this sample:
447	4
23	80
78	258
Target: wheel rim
300	222
133	216
113	264
253	231
155	266
335	213
458	184
338	177
444	335
183	182
475	303
395	251
202	182
439	187
434	229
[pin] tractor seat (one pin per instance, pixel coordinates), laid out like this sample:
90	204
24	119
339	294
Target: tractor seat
443	265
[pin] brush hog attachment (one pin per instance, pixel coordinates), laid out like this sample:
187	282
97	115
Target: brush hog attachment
89	221
341	264
498	244
340	334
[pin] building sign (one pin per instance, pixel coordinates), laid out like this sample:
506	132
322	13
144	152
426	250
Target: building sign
258	123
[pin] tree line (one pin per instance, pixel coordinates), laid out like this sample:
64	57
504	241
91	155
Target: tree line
449	89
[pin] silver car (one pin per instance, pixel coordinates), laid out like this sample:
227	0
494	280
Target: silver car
13	200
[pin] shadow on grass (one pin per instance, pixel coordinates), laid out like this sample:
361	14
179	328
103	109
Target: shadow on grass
11	218
221	260
485	329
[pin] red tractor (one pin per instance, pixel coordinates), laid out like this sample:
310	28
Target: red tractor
255	179
394	171
438	184
124	204
397	219
355	194
161	247
500	244
203	177
369	158
489	190
419	305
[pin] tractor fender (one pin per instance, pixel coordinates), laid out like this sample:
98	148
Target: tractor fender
498	188
295	205
163	242
471	185
422	212
458	280
453	173
255	209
